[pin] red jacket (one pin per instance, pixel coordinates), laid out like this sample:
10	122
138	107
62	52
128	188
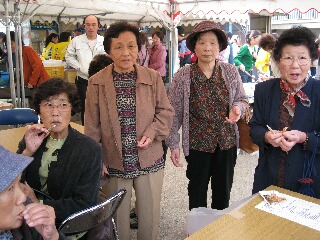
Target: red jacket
33	69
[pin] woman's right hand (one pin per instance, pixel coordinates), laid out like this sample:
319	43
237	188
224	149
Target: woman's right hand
175	157
33	137
274	138
42	218
242	67
105	172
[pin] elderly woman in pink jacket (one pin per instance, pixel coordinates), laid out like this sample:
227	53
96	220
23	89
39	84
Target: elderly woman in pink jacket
158	54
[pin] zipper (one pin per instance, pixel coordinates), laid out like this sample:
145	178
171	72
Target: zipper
105	98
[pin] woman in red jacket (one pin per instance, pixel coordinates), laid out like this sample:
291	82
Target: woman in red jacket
33	69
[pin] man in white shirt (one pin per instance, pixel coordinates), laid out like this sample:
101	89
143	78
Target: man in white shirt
81	51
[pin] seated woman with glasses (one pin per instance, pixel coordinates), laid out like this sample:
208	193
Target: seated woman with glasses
67	164
286	118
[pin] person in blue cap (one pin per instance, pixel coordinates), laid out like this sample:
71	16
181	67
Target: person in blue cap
21	219
184	52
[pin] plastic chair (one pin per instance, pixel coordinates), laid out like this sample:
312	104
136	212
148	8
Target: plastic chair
18	116
91	217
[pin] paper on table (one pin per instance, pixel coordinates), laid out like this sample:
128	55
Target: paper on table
294	209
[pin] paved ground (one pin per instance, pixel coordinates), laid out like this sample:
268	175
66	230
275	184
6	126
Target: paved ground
174	204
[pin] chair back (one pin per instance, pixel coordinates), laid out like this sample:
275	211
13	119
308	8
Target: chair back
88	218
18	116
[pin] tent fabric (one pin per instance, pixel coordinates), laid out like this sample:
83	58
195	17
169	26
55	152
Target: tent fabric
245	6
155	12
143	13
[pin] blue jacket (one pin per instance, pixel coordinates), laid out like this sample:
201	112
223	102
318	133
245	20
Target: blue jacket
266	112
184	53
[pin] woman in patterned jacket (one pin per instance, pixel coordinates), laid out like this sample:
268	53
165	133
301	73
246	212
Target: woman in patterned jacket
128	112
208	98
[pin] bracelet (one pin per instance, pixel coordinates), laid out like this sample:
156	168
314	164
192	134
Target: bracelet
304	144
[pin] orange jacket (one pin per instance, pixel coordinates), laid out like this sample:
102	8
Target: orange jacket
33	69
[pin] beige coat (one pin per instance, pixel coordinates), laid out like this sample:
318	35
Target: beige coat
154	115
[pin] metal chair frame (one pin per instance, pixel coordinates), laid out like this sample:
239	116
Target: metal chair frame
94	215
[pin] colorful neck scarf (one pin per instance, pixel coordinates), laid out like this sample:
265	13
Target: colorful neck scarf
6	235
290	102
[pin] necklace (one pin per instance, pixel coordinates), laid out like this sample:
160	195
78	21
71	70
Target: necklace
57	139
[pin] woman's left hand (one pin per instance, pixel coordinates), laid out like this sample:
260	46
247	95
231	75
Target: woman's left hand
29	193
234	115
291	138
144	142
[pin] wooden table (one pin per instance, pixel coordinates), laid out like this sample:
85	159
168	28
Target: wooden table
248	223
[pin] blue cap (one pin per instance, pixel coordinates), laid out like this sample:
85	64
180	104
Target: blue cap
11	166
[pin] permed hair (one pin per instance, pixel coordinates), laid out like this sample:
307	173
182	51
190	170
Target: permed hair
114	31
296	36
53	87
159	35
267	41
98	63
143	38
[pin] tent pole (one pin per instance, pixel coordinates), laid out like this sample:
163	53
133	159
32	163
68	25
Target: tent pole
171	45
20	60
9	50
17	64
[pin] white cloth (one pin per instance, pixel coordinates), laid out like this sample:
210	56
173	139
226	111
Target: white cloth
223	56
79	54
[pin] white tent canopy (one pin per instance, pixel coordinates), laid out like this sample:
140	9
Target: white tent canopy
168	13
245	6
140	12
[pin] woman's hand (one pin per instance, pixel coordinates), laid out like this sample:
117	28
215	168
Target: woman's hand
29	85
42	218
29	192
175	157
274	138
242	67
34	137
234	115
291	138
105	172
144	142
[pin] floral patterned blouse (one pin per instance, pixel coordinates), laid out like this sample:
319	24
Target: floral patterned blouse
209	106
125	86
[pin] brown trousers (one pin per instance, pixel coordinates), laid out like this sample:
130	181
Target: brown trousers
148	190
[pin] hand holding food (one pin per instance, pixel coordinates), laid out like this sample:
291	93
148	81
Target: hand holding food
34	137
291	138
273	137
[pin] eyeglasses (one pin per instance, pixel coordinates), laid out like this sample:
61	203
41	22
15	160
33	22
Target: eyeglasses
302	61
62	107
